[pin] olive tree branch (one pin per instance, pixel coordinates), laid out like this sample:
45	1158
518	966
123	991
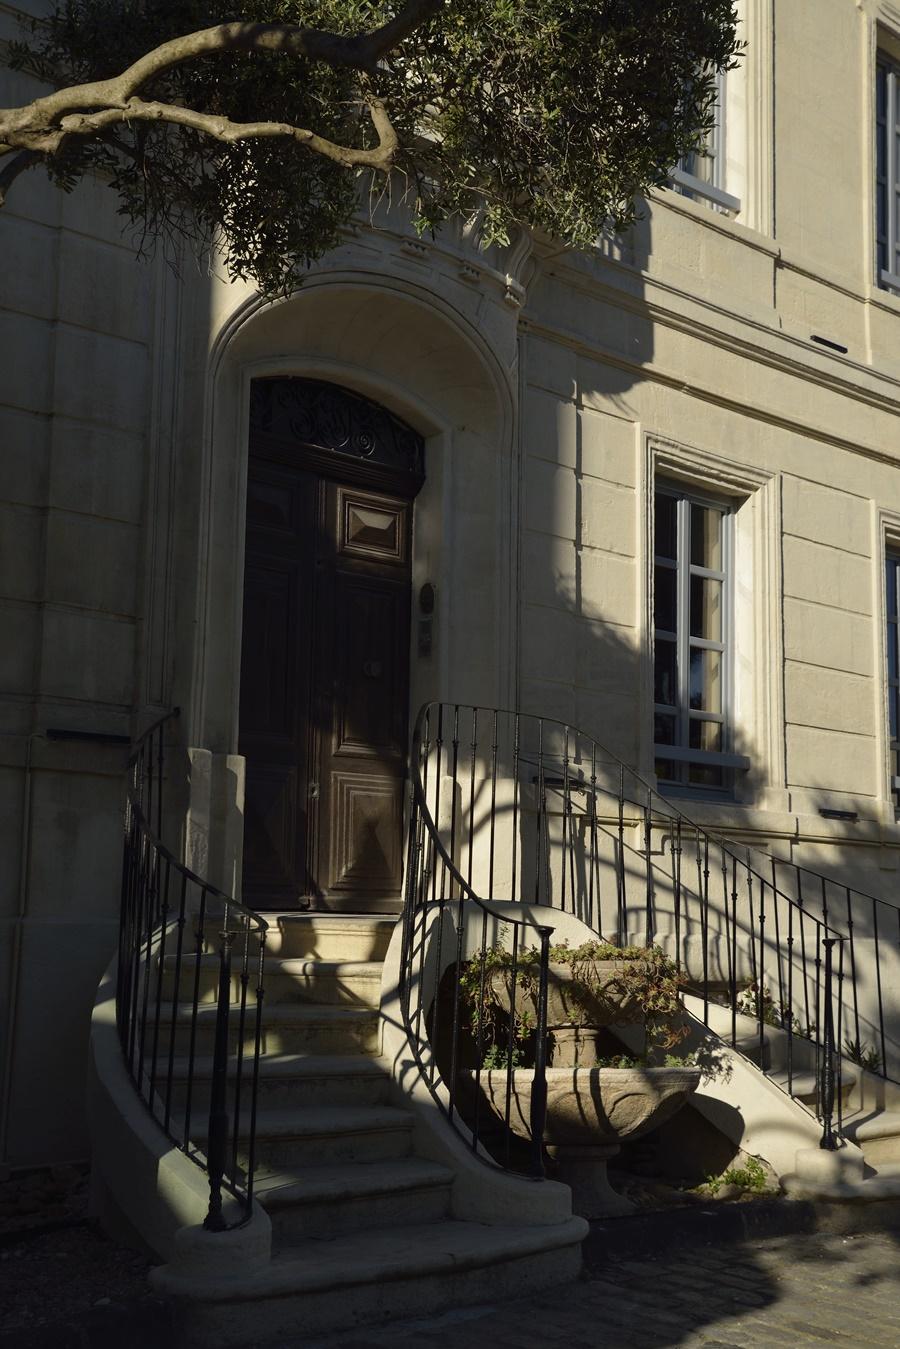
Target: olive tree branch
224	129
37	125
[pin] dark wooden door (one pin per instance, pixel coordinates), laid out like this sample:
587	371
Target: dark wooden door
361	692
324	690
279	613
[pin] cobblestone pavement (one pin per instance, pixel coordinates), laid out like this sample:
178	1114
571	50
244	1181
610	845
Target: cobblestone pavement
794	1290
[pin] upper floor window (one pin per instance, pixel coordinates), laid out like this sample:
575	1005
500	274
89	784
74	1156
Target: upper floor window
892	609
692	655
702	174
887	172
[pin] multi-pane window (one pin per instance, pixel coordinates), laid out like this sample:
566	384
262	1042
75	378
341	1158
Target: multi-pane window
701	174
892	606
887	173
692	621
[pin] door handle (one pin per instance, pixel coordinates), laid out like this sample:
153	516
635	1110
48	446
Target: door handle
313	791
372	669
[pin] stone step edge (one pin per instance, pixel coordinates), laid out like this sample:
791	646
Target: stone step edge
883	1124
376	1255
274	1013
354	1180
293	965
291	1067
308	1122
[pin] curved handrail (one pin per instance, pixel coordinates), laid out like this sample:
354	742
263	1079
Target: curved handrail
754	921
163	902
422	819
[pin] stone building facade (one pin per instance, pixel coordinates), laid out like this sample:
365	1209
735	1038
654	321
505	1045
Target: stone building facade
738	353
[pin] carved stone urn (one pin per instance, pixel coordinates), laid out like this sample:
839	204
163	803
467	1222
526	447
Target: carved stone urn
589	1112
577	1007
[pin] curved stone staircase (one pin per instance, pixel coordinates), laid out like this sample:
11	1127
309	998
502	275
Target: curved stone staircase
365	1223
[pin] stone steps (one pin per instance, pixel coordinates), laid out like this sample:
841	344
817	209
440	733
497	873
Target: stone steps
295	1080
363	1278
290	979
328	936
361	1225
287	1028
327	1201
878	1134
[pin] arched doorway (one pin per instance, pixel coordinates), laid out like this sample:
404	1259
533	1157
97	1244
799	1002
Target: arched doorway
324	701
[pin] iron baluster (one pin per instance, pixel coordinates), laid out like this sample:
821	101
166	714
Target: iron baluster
257	1048
762	962
622	929
704	928
878	982
829	1138
539	1084
790	1001
649	923
511	1040
217	1146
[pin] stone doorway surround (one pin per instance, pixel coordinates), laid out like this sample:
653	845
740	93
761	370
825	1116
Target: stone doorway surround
443	356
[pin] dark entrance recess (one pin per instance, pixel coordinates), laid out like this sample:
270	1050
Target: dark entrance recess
325	654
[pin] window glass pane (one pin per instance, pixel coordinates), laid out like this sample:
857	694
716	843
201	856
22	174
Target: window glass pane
892	710
706	538
665	526
892	650
706	735
666	770
706	681
663	729
891	588
706	608
702	775
881	92
664	606
665	673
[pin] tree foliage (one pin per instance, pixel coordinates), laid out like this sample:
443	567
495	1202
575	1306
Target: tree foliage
255	128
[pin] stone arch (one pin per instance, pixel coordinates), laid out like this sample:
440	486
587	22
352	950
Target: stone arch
421	358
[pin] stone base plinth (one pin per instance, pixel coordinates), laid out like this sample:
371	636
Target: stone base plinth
584	1170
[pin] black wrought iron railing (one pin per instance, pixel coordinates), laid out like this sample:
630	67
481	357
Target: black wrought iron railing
513	815
445	922
189	994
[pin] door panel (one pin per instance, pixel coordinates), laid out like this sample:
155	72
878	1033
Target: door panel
275	684
324	690
363	641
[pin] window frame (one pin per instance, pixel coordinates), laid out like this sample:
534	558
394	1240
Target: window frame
712	191
681	753
892	682
887	172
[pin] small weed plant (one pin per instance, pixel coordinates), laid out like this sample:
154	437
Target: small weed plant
758	1002
751	1176
863	1054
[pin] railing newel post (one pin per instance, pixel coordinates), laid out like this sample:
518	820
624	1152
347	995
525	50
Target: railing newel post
830	1139
217	1137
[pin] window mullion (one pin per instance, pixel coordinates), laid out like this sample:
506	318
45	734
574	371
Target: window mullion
684	627
890	151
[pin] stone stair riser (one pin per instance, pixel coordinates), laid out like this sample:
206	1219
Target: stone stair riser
357	1037
349	990
280	1153
357	1213
877	1151
315	940
280	1092
234	1325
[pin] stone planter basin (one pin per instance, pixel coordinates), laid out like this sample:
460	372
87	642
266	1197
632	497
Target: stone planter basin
601	1001
589	1112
